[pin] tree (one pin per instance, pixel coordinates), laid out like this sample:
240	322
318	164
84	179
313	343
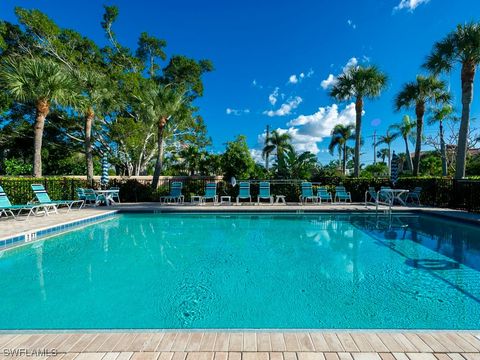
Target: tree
236	160
161	103
280	143
387	139
383	154
192	158
300	165
359	83
405	129
340	135
439	115
419	93
461	46
83	60
375	170
149	49
43	83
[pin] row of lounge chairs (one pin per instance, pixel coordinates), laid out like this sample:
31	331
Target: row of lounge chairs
307	194
42	205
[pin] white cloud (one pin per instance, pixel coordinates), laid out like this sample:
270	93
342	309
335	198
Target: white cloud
285	108
273	97
351	24
308	130
293	79
329	81
350	63
332	79
321	123
256	84
237	112
257	155
409	5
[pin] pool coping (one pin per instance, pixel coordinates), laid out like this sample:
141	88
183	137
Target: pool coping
30	236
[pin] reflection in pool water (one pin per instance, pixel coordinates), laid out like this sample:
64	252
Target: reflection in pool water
247	271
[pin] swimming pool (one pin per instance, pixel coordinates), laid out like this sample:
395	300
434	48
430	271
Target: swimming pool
256	271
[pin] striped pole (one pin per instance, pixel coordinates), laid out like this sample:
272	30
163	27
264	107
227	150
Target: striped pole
394	168
105	166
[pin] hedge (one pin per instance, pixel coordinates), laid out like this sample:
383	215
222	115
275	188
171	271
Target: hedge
440	192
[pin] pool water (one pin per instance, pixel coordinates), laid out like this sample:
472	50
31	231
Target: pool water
326	271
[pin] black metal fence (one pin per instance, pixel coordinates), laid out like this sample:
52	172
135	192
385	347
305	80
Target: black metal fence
439	192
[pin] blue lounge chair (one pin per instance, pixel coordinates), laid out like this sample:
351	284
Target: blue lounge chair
307	193
342	194
80	193
175	194
7	209
264	192
43	198
414	196
210	193
244	191
324	195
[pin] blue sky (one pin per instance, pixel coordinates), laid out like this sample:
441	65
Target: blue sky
259	49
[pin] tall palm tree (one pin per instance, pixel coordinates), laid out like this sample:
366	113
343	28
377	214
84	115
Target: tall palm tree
340	135
388	139
419	93
439	115
405	129
95	93
359	83
281	143
161	103
461	46
42	83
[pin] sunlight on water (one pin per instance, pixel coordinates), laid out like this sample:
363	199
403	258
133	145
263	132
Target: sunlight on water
247	271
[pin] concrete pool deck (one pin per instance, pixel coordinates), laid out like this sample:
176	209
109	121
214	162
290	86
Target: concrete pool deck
235	345
197	345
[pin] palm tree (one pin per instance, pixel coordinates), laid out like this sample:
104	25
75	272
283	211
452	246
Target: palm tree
405	129
95	92
281	143
42	83
359	83
461	46
382	154
419	93
439	115
300	166
340	135
387	139
161	103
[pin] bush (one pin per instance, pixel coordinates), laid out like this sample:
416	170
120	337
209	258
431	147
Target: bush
19	190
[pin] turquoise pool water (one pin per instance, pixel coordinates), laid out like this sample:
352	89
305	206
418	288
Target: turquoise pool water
247	271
